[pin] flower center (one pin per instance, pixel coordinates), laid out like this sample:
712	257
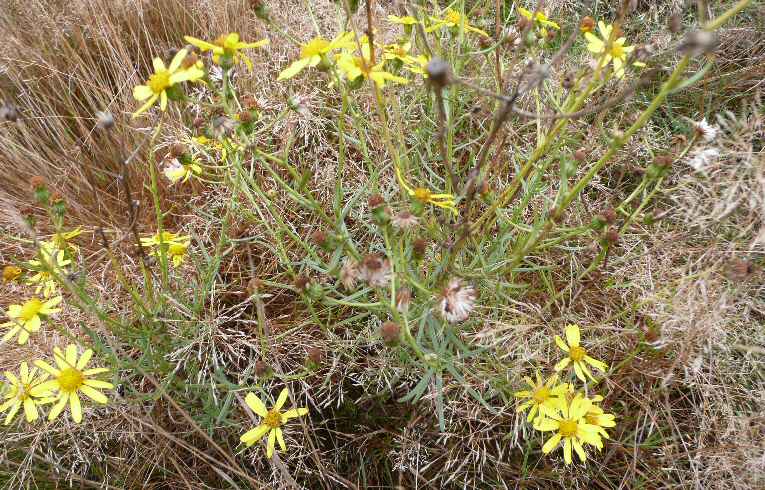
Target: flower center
23	392
453	17
314	47
70	379
617	51
273	419
568	427
159	81
577	353
30	309
422	194
542	394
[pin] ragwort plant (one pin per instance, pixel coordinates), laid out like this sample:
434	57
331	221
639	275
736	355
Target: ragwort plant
440	247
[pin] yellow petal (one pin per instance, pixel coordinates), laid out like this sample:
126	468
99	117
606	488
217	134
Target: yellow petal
294	412
551	444
562	364
282	399
75	406
255	404
271	441
142	92
280	439
295	68
158	65
177	60
254	435
572	335
94	395
30	410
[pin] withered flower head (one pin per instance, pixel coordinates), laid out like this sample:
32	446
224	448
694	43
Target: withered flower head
587	24
375	270
315	355
456	301
439	72
301	282
349	273
405	220
403	299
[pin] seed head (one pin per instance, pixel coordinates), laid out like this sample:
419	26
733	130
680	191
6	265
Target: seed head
245	117
612	235
580	155
261	368
301	283
177	150
403	299
319	237
419	247
104	120
375	201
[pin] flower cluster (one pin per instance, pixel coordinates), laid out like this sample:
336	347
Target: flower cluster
574	419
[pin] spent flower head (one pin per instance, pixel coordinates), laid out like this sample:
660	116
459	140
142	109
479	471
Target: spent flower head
272	421
456	301
11	273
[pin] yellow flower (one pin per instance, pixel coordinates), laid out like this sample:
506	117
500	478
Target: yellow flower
272	421
540	20
27	318
611	50
164	77
425	196
52	259
577	355
11	273
314	51
545	398
61	239
25	392
452	18
70	379
597	417
175	246
356	66
407	20
227	47
177	171
420	63
399	52
570	426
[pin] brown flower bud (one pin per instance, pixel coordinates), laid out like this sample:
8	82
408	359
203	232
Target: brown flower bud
739	269
612	235
319	237
485	42
301	283
587	24
37	182
675	23
375	201
390	333
567	81
315	355
253	286
609	216
250	103
190	60
198	122
261	368
663	160
580	155
522	24
245	117
177	150
419	246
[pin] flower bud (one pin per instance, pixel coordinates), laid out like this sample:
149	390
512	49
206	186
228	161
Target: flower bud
315	355
419	247
245	117
439	72
262	369
301	283
611	236
177	150
567	81
587	24
403	299
260	8
390	333
580	155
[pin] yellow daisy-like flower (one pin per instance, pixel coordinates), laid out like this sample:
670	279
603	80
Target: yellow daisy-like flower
354	67
176	171
227	47
571	427
543	398
425	196
61	240
577	355
406	20
452	18
27	318
25	392
70	379
315	50
272	421
52	259
597	417
611	50
175	246
11	273
540	20
399	52
163	78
